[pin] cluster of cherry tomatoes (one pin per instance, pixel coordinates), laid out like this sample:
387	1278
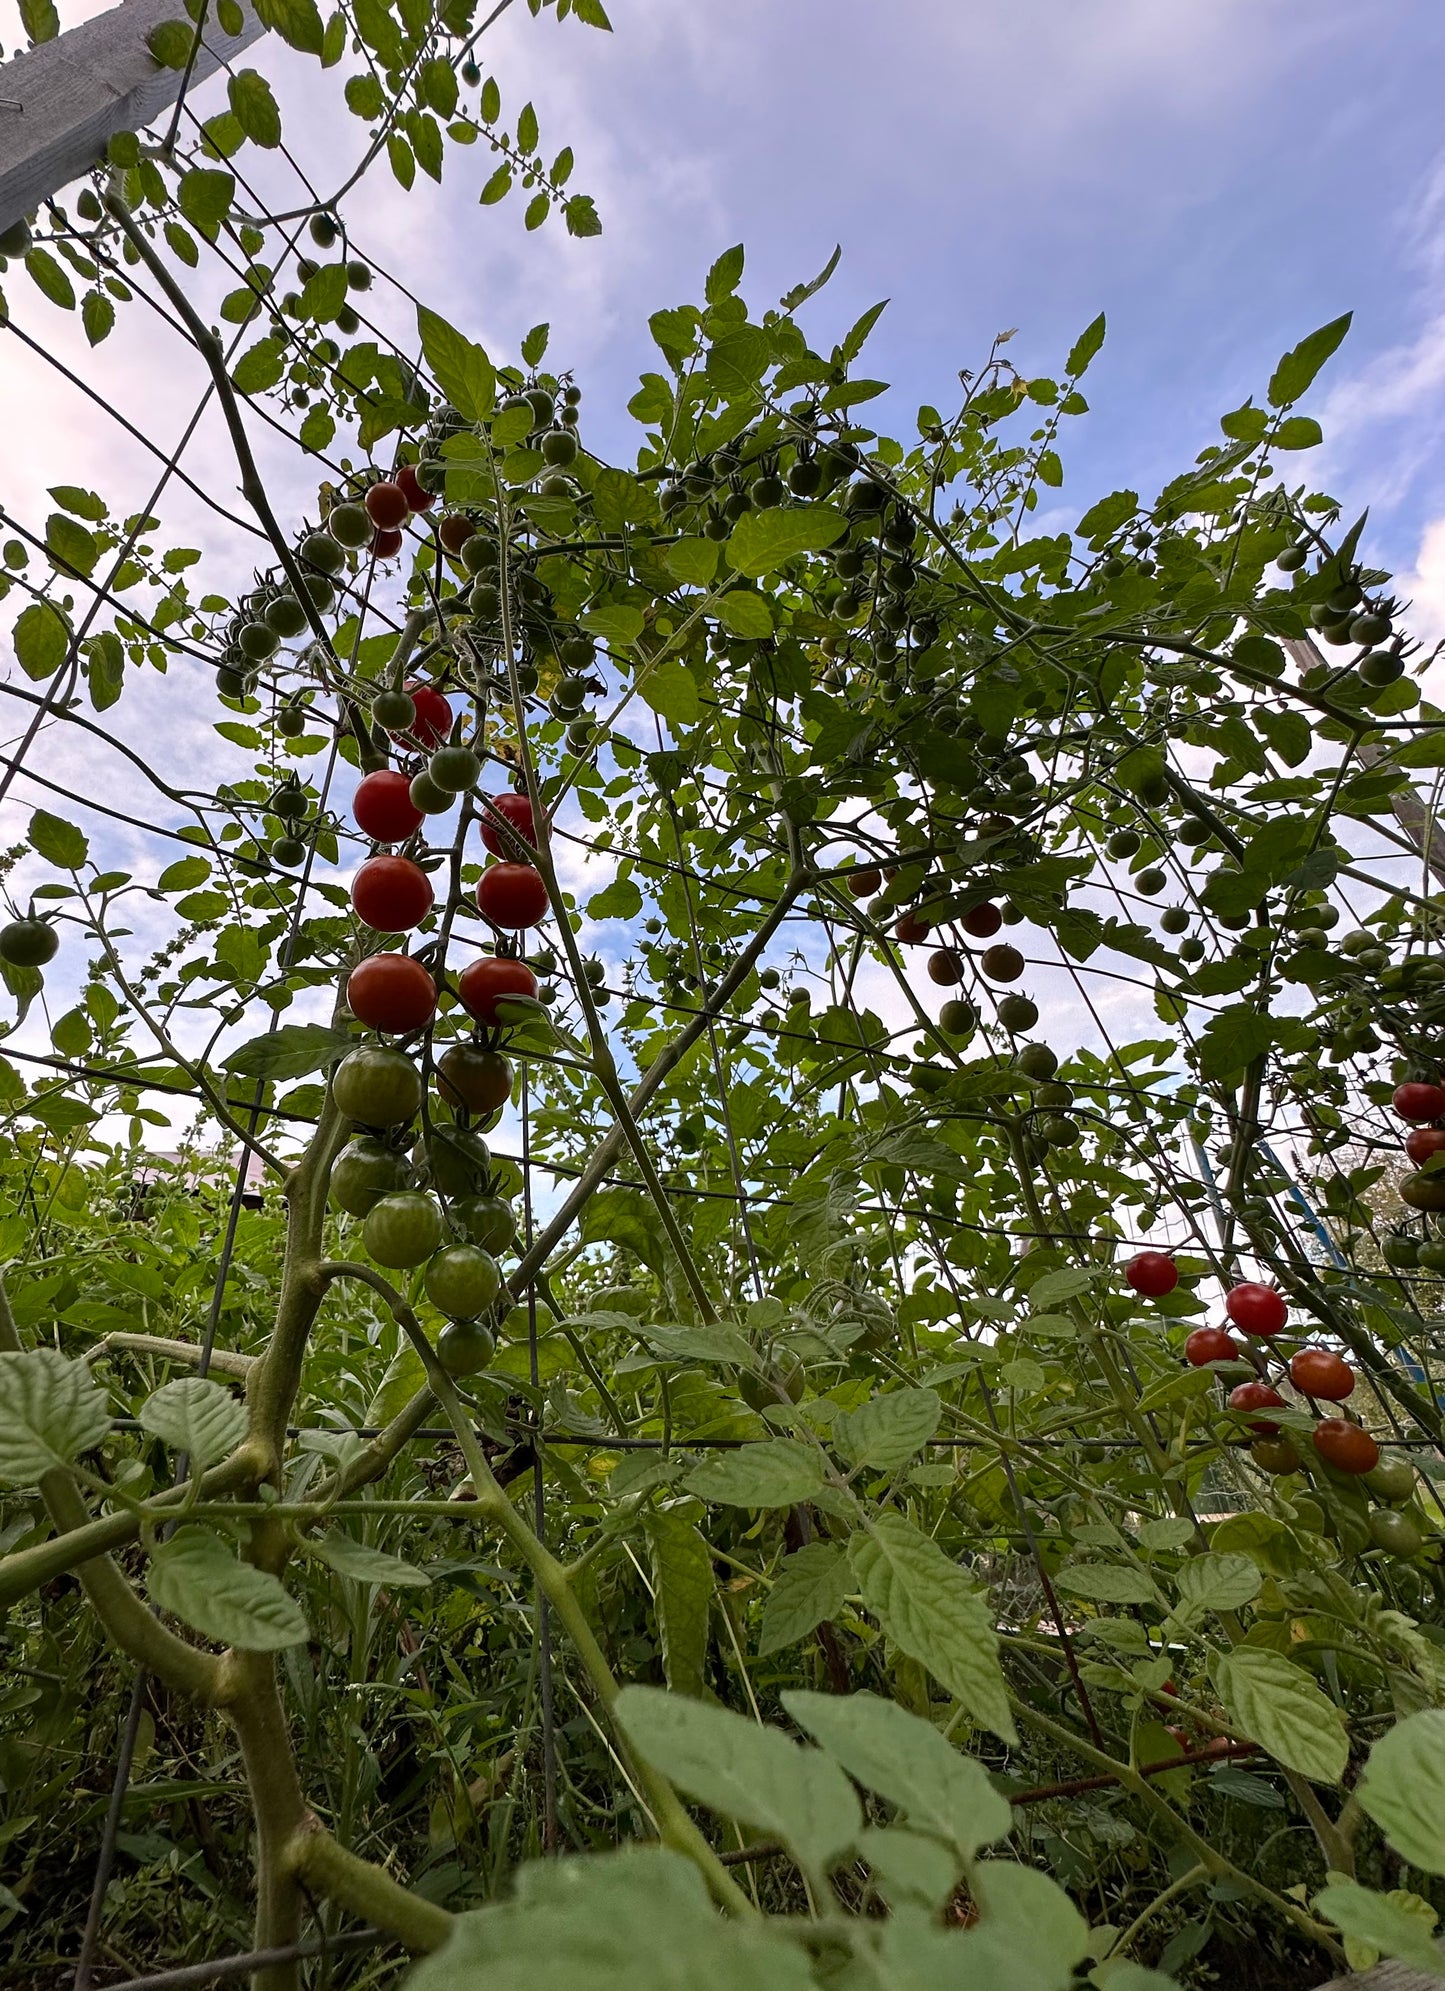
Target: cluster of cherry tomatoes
1422	1103
1319	1374
377	522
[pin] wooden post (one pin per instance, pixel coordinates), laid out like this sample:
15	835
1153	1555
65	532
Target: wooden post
76	92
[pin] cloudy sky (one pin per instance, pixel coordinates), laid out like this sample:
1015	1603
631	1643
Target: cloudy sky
1218	177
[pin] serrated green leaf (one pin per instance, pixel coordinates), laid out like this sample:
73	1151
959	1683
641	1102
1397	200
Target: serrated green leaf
1276	1704
671	691
888	1430
763	541
810	1588
1403	1788
1381	1923
462	370
290	1052
775	1472
296	21
1296	371
50	1412
197	1416
58	841
682	1589
751	1774
199	1579
1107	1583
254	107
927	1606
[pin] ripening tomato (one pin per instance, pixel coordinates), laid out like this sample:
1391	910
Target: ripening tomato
911	929
366	1171
945	967
489	1221
391	992
454	531
1418	1100
410	487
385	543
1259	1310
1319	1372
1152	1274
1347	1447
432	723
391	894
468	1075
1421	1143
863	884
1210	1344
383	807
512	895
518	811
1397	1534
1276	1456
486	982
982	921
1257	1396
386	505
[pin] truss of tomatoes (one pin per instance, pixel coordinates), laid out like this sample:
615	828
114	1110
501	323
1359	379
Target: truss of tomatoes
1261	1312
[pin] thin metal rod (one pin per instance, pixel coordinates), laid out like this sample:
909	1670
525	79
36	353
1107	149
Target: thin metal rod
188	1975
539	1505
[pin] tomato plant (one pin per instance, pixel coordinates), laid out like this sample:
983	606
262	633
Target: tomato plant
721	1323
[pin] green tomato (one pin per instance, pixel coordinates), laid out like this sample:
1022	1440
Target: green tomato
364	1173
1392	1480
377	1086
462	1281
403	1229
464	1346
489	1221
460	1160
28	943
1395	1532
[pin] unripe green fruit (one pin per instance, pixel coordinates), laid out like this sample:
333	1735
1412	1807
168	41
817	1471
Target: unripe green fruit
258	642
454	770
464	1347
479	553
285	615
28	943
319	550
394	711
485	601
1017	1012
403	1229
462	1281
559	448
288	851
319	591
349	525
291	721
426	796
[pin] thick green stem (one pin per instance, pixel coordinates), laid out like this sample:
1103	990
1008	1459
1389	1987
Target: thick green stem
326	1868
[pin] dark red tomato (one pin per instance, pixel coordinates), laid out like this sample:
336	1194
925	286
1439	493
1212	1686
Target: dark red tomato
484	983
1210	1344
391	992
518	811
470	1076
386	506
512	896
1259	1310
945	967
982	921
863	884
1257	1396
1421	1143
432	724
1152	1273
1347	1447
392	894
385	543
417	499
1416	1100
454	531
1319	1372
911	929
383	807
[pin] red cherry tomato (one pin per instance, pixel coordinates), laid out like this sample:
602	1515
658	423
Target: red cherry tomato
1347	1447
485	982
1210	1344
417	499
982	921
1417	1100
1319	1372
386	506
392	894
385	543
1152	1273
391	992
432	725
1257	1396
454	531
512	895
1259	1310
1421	1143
383	807
518	811
911	929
